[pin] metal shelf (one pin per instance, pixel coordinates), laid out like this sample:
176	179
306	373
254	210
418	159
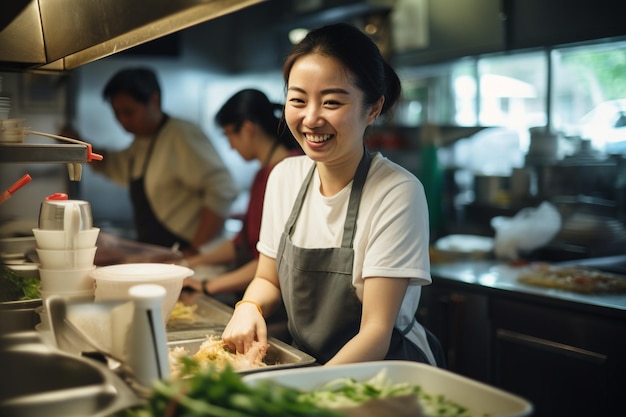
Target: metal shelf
47	153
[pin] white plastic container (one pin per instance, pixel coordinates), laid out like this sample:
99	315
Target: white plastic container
479	398
66	258
57	239
67	279
114	281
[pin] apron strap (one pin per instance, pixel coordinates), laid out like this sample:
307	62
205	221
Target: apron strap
297	206
349	227
146	161
408	328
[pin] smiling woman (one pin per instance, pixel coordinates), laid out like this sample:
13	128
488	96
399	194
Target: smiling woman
344	235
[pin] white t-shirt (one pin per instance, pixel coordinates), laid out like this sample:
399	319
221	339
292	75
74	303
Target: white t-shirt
392	232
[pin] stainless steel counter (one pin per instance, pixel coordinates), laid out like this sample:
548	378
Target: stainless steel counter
499	276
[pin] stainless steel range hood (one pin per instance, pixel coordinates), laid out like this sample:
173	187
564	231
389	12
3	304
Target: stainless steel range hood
59	35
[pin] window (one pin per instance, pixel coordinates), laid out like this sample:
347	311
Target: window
589	94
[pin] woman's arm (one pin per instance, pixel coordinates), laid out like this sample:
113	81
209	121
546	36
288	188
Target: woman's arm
233	281
247	324
210	226
221	253
382	298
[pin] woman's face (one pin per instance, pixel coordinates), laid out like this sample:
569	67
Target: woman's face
324	109
240	140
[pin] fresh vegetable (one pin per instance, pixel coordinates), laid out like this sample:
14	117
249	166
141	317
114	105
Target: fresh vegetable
210	392
16	288
348	392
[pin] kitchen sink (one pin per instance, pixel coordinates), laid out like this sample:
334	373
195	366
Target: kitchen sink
43	381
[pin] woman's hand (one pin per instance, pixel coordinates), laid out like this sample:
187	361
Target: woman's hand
246	326
193	284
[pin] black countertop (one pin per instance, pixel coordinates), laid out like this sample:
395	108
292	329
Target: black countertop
499	276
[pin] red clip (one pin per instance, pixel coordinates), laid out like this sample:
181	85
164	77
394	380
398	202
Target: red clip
92	156
56	196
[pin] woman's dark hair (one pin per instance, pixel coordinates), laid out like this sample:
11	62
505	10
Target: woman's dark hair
140	83
358	53
253	105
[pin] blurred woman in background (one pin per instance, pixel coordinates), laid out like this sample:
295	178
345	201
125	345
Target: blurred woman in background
253	127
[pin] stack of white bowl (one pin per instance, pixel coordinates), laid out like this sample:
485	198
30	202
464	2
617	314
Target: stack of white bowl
66	247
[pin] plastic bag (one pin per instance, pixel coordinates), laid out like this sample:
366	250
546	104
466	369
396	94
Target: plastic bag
531	228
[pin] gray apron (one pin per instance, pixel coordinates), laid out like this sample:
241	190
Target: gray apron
316	284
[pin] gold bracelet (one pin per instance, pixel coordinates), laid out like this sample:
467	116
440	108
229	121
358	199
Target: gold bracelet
258	307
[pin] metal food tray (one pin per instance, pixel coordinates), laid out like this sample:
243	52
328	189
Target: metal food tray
279	354
210	313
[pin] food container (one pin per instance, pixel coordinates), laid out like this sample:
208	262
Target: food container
207	313
56	239
114	281
480	399
279	354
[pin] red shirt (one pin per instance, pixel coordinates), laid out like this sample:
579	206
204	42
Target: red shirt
252	219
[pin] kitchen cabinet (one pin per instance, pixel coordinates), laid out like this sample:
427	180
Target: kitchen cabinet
537	23
567	362
474	27
459	317
457	29
564	352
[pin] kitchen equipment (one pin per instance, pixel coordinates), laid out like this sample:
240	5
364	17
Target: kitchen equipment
11	131
70	294
18	316
67	279
279	354
147	343
456	247
41	380
55	239
15	248
114	281
61	214
492	190
207	313
141	346
64	258
480	399
25	179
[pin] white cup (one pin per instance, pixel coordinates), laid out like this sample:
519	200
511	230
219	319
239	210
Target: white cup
66	258
67	279
81	294
56	239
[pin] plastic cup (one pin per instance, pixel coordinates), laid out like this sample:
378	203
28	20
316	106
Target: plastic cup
56	239
66	258
67	279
